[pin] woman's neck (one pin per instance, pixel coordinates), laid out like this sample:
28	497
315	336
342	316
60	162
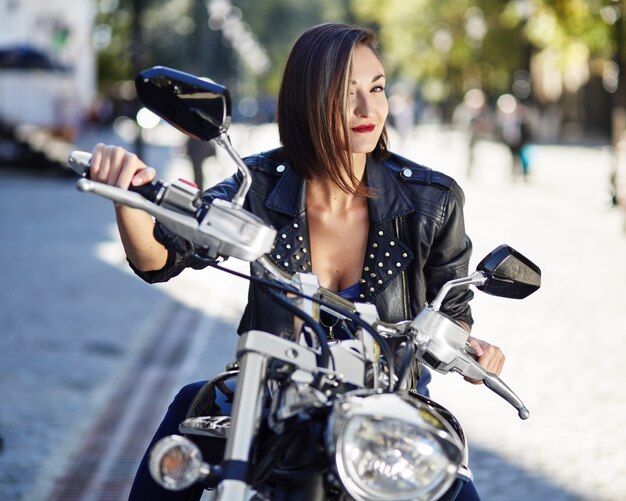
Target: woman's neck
323	193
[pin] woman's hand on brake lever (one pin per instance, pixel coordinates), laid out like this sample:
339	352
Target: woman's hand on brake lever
490	357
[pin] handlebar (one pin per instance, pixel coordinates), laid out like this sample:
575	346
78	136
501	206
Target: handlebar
224	230
180	195
227	230
80	162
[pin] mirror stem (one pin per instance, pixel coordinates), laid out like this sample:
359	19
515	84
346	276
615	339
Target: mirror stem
224	141
476	278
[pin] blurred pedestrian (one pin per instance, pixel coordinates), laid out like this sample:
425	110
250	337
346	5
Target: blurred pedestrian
198	152
402	111
474	116
514	128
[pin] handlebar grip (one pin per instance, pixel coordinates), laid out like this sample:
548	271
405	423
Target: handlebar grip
79	161
495	384
151	191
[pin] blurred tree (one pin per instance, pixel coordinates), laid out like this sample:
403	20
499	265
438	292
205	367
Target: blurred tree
443	46
176	33
277	24
446	45
568	37
449	45
167	30
112	38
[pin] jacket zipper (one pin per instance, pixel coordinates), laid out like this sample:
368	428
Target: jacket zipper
405	291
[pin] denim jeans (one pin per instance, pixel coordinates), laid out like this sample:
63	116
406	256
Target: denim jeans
144	487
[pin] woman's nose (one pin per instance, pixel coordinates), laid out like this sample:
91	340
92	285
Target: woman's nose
361	105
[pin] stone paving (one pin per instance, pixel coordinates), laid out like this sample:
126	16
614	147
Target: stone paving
564	345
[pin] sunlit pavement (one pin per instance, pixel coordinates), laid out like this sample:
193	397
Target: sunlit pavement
564	345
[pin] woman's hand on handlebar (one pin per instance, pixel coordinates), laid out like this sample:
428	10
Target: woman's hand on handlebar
490	357
118	167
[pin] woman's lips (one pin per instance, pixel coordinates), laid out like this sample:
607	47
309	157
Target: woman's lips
364	128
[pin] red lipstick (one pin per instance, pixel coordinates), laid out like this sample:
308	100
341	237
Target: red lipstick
364	128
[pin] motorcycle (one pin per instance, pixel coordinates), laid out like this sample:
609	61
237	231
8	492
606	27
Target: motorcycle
311	417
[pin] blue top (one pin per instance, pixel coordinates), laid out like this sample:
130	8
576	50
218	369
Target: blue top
351	293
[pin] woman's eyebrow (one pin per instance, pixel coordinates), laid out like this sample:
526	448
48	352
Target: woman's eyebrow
377	77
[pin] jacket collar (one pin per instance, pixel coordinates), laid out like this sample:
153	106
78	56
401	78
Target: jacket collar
390	201
289	194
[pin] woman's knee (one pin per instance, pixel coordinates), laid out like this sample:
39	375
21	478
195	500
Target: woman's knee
185	395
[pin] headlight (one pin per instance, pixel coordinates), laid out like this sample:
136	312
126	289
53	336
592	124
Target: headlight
392	448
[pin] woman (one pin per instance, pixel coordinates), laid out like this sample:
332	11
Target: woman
371	225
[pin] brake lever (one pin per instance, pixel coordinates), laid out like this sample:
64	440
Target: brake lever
443	345
466	365
185	225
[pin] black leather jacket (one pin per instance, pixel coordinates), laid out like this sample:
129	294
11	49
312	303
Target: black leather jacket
416	239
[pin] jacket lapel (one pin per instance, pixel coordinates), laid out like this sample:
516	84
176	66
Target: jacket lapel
291	248
386	255
288	196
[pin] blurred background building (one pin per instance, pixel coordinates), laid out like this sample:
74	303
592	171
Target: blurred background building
47	63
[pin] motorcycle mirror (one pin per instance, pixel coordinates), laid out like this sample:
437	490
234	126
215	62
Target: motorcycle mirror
509	274
196	106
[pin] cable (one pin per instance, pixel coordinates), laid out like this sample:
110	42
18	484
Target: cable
384	346
409	353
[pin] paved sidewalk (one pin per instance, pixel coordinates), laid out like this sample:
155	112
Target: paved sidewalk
565	344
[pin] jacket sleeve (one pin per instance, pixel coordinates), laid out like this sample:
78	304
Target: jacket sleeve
449	259
181	251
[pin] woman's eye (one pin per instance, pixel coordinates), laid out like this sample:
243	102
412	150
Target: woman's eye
378	88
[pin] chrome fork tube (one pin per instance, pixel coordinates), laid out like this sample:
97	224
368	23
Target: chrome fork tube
245	420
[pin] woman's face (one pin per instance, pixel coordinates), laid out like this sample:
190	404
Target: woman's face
367	104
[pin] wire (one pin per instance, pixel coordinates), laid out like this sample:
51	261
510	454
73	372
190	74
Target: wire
408	355
324	357
384	346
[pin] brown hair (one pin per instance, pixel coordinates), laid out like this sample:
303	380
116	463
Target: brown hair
312	101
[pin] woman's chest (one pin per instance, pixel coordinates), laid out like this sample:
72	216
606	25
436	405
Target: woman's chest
338	244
